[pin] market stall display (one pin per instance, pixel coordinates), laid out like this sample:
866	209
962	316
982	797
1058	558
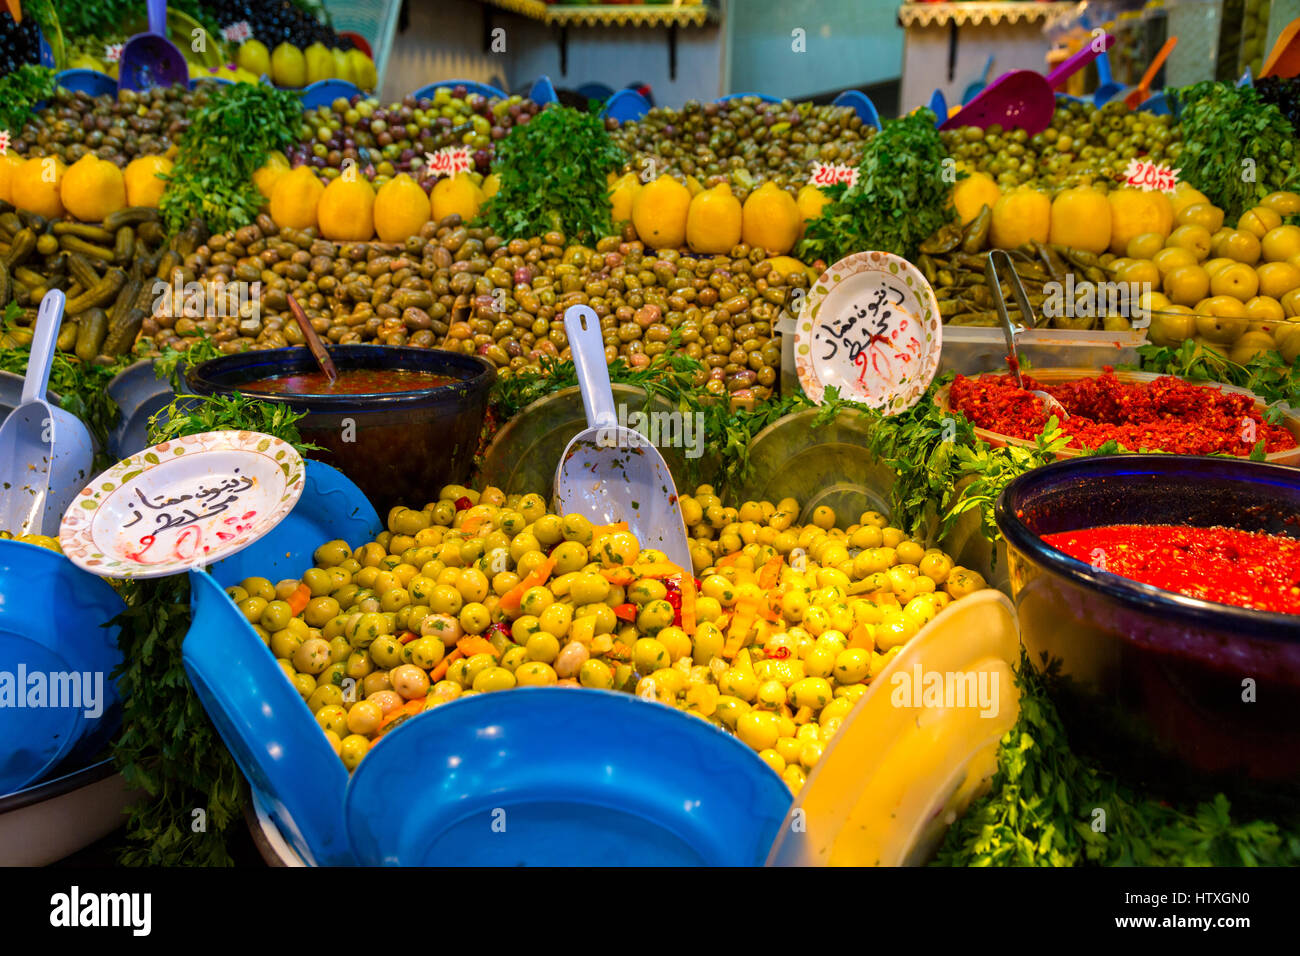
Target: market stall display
805	292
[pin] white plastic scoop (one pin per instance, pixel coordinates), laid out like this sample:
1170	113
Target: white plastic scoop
45	453
611	473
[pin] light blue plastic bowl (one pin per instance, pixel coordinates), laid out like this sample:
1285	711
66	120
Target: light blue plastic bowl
90	82
626	106
863	106
547	776
766	98
325	92
51	622
261	717
543	91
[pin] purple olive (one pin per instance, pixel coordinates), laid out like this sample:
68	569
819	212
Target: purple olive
523	276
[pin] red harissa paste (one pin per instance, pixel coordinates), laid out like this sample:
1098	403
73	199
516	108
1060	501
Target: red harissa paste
1224	565
1167	414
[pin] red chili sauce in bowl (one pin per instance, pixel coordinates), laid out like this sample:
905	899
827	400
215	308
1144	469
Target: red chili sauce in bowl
351	381
1247	569
1167	414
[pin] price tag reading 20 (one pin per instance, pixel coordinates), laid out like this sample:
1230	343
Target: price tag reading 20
449	161
829	174
876	336
1150	177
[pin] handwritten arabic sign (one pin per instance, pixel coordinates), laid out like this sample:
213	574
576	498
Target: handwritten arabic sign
182	504
870	328
1150	176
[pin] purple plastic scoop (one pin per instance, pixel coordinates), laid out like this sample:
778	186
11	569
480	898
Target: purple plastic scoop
1024	98
150	59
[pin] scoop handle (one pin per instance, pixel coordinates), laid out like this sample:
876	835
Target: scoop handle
158	17
582	327
1079	60
42	352
1104	77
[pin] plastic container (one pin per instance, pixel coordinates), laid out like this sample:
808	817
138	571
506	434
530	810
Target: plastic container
543	91
398	448
48	821
543	776
1053	376
324	92
1150	682
139	395
52	626
261	717
90	82
970	349
626	106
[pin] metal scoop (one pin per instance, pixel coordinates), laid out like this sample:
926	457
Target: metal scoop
998	260
610	473
150	59
45	453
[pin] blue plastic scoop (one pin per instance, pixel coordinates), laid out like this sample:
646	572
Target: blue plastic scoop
150	59
1107	88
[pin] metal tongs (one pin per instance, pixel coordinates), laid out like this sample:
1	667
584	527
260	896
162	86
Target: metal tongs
998	259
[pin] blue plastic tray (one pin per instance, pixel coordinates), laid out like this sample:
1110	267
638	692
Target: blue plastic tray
862	104
260	716
482	89
51	622
546	776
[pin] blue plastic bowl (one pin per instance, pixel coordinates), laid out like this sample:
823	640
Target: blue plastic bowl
766	98
482	89
543	91
546	776
261	717
866	109
52	617
1149	681
626	106
90	82
399	448
325	92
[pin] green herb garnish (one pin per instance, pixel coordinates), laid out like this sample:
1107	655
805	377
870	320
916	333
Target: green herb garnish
19	92
229	138
552	173
900	200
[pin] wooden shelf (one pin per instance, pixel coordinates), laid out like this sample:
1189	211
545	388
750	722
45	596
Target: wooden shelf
610	15
975	13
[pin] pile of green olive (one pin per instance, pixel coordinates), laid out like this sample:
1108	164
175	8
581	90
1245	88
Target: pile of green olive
744	142
1083	146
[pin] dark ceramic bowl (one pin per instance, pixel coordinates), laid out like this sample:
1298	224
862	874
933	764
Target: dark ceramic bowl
1187	695
398	448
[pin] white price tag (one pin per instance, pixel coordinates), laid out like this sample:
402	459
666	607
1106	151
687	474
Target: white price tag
829	174
237	32
449	161
1150	177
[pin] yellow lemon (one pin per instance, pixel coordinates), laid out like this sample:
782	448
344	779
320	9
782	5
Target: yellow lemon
621	194
295	198
1020	216
1185	194
713	221
787	265
811	201
363	70
1265	308
771	220
1195	239
973	193
254	57
143	187
1259	221
659	211
455	195
1186	285
288	66
92	188
1173	257
1144	246
265	178
1081	219
1237	281
35	185
694	186
401	209
1284	203
346	211
1200	214
9	162
319	62
342	66
491	185
1133	212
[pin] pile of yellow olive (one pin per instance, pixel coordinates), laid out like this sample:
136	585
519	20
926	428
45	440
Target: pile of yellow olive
775	640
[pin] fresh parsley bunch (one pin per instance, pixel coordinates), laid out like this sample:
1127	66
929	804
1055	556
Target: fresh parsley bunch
900	199
552	171
229	138
19	91
1237	148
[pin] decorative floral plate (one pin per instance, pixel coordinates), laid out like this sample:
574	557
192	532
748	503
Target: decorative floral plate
182	504
871	327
